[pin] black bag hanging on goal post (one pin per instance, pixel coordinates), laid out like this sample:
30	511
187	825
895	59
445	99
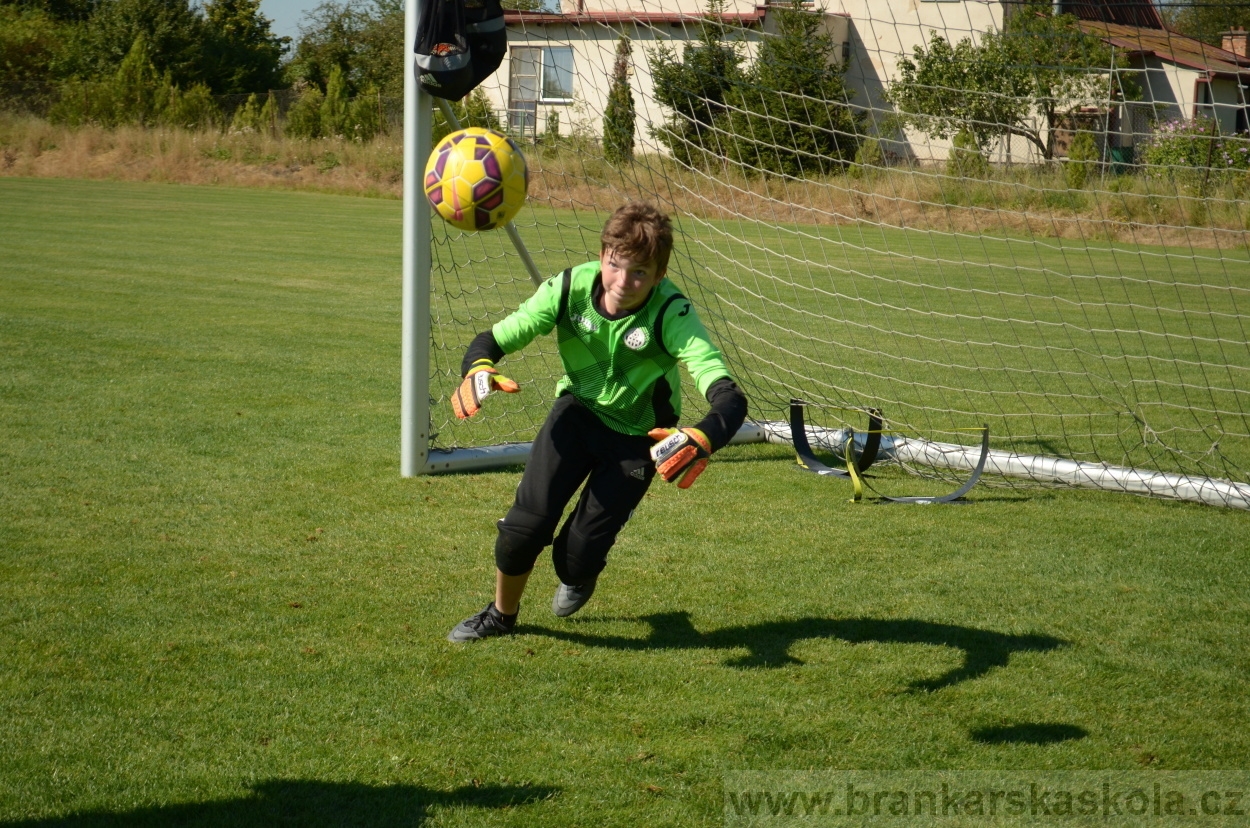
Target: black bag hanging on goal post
442	50
459	44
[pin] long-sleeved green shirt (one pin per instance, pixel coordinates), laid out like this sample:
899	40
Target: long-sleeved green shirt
624	370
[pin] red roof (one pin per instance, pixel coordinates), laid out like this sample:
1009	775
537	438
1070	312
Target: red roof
1170	46
512	16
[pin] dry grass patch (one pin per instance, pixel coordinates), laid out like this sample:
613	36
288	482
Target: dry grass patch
1028	201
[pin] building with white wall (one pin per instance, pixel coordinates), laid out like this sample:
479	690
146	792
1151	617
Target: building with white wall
560	64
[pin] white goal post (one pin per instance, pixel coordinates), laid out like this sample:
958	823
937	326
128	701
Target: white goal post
1073	271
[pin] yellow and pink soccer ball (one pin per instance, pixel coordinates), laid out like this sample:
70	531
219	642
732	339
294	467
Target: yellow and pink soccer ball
476	179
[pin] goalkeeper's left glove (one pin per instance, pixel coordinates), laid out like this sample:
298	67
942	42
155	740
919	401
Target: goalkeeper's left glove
481	380
681	454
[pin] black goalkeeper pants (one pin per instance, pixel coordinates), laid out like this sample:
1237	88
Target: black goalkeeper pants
574	446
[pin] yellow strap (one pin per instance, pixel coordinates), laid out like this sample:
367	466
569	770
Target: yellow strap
847	452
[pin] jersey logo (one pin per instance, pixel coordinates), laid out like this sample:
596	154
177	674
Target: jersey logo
585	324
637	339
685	310
640	474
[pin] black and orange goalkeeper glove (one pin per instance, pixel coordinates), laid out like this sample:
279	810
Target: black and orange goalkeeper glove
481	380
681	454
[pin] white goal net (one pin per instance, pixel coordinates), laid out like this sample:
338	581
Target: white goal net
1025	215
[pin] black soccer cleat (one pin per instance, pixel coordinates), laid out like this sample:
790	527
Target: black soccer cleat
488	623
569	599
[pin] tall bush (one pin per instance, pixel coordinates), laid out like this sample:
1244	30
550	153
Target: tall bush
334	105
618	118
303	119
1194	153
246	118
1183	146
81	102
966	159
32	57
194	109
1082	160
793	113
138	88
868	157
173	31
268	121
364	117
136	94
694	89
474	110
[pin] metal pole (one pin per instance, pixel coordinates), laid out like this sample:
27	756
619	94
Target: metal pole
414	431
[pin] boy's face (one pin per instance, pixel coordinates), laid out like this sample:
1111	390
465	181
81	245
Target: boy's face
626	283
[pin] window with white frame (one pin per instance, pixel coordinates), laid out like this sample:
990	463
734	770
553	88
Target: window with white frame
542	74
557	84
537	75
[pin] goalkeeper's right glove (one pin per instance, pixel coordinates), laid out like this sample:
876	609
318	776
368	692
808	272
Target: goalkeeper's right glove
681	454
481	380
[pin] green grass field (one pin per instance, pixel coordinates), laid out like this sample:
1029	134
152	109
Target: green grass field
221	604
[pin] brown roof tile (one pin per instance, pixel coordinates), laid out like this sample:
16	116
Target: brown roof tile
1170	46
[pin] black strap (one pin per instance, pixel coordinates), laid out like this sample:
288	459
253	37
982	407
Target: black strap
807	459
872	442
659	320
565	286
962	490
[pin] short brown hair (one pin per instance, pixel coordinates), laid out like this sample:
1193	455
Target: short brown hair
641	232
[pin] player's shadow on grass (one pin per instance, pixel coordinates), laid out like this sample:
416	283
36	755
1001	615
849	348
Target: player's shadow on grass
305	802
1029	733
768	644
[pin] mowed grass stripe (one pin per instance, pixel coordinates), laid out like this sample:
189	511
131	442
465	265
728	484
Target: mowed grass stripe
195	381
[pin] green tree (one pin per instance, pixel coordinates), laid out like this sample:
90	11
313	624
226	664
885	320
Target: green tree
868	157
1208	21
944	90
62	11
966	158
172	30
1022	81
140	92
794	115
303	119
475	110
241	53
268	120
695	87
32	57
329	37
246	119
1082	160
364	38
194	109
334	105
136	94
364	116
379	57
618	118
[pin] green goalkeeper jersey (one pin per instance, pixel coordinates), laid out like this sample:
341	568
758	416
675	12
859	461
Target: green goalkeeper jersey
624	370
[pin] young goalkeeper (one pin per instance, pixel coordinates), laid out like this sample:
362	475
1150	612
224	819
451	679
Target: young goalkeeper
622	328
